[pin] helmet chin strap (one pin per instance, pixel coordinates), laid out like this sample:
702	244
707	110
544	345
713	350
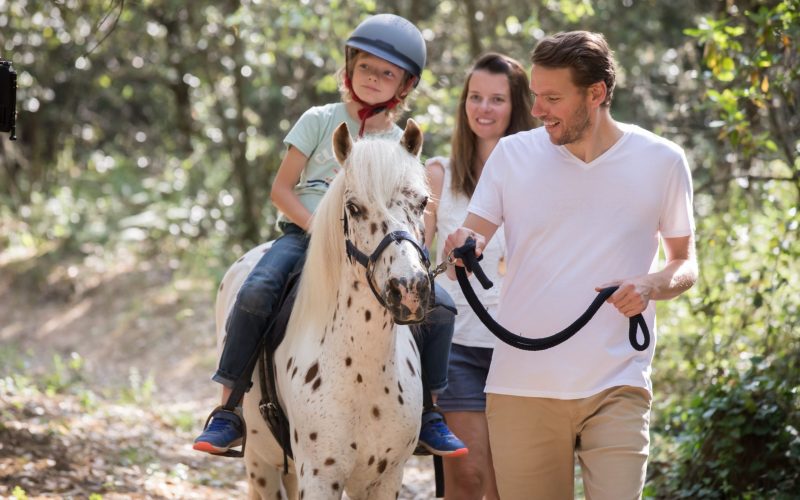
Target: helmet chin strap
368	110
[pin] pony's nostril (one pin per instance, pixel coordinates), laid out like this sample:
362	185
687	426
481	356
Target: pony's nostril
422	287
393	293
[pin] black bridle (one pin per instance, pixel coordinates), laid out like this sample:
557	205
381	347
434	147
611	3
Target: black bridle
369	261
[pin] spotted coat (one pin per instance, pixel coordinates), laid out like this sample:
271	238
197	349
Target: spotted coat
347	376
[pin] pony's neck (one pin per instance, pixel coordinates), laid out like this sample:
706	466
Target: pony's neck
360	319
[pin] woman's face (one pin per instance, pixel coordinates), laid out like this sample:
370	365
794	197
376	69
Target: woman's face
488	104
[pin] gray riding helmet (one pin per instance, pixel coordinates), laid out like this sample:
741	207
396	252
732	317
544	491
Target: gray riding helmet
392	38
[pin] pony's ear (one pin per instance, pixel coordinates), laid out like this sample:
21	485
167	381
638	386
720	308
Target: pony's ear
342	144
412	138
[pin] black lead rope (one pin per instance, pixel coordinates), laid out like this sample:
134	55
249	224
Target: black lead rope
467	254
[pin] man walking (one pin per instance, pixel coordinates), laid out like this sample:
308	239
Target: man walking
584	201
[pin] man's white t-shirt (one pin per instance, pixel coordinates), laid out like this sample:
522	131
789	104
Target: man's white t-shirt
571	226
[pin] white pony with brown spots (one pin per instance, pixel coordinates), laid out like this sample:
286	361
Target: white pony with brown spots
348	377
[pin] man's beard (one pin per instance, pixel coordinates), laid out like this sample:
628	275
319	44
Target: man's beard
574	133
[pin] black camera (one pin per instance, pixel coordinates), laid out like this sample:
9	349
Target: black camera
8	98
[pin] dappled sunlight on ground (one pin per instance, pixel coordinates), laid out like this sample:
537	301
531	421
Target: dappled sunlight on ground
105	381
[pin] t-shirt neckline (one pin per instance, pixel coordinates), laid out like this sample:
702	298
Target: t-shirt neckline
353	125
606	154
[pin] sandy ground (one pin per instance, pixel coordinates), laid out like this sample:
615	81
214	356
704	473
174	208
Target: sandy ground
121	423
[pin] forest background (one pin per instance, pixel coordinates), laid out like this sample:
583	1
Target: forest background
149	132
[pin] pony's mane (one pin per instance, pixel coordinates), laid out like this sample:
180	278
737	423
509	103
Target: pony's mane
373	173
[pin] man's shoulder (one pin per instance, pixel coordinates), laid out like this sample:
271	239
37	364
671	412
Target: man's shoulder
648	139
526	138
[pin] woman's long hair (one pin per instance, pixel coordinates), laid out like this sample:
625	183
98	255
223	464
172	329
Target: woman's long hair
464	151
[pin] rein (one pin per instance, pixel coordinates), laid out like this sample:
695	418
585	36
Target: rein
368	261
467	254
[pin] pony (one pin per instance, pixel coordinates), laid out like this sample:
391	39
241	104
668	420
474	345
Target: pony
347	377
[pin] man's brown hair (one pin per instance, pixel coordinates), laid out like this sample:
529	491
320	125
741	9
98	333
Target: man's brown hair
585	53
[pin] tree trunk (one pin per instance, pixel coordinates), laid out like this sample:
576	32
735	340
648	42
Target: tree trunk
473	28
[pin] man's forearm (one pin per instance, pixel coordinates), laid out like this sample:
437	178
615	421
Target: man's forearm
677	276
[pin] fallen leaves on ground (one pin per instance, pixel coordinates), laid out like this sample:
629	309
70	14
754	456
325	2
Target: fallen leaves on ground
58	446
71	446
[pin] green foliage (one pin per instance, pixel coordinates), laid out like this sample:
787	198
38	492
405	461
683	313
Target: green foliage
64	374
752	54
739	436
140	391
728	426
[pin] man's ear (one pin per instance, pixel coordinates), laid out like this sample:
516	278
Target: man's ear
598	92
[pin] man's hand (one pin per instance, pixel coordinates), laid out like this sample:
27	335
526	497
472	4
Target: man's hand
457	239
478	228
677	276
632	296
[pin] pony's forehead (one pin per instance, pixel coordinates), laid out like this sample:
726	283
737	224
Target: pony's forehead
382	170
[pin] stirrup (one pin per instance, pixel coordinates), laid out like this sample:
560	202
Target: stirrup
421	451
229	453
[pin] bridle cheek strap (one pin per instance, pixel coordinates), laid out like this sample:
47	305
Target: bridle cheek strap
354	254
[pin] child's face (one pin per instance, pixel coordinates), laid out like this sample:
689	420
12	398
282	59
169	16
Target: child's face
376	80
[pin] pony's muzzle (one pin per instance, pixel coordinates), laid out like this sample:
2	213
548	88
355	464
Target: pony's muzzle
407	298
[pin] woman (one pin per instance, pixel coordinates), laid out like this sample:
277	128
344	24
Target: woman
495	102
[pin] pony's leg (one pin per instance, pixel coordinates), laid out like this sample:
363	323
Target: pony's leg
388	488
263	479
289	485
320	487
264	486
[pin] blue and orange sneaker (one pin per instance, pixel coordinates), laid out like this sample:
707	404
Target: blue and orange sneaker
224	429
437	438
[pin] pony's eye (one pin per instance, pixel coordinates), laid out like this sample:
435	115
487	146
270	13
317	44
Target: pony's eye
423	204
353	209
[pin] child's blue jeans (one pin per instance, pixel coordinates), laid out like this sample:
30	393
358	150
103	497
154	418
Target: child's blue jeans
433	337
255	304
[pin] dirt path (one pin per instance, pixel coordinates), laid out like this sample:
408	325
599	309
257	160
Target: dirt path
126	354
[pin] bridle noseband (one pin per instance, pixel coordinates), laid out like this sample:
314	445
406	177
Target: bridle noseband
353	253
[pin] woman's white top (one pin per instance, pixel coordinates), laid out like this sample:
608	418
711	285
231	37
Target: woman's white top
450	215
